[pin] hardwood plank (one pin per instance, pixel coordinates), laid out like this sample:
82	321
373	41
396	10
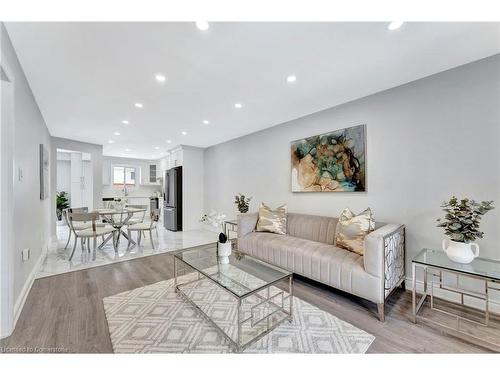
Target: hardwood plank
65	311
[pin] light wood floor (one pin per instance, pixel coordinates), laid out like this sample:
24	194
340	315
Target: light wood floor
66	311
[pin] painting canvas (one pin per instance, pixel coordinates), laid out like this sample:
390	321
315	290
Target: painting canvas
330	162
44	172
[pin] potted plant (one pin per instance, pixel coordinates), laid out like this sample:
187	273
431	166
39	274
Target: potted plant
242	202
223	246
62	203
461	224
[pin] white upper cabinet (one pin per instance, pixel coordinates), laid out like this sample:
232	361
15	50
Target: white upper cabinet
171	160
150	171
176	157
153	173
106	172
164	165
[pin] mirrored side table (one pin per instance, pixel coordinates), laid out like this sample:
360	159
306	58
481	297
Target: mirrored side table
470	285
230	226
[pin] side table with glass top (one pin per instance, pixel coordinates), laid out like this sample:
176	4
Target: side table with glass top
436	266
230	226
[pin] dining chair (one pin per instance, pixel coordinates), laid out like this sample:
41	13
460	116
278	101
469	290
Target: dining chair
139	216
144	227
79	226
76	218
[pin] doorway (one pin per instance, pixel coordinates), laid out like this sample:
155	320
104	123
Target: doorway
74	179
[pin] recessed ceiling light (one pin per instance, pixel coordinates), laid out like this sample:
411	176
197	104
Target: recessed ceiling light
116	133
127	150
202	25
157	148
238	105
184	133
125	122
111	141
160	78
394	25
138	105
161	153
206	122
291	79
169	141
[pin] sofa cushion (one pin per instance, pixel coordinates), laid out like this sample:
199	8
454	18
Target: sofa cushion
270	220
322	262
352	230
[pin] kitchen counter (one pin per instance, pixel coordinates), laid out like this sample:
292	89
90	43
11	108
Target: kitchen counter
128	197
134	199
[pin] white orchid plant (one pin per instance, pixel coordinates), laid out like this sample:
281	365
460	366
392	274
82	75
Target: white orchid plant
214	218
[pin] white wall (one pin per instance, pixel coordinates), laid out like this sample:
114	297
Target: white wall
192	187
426	141
32	216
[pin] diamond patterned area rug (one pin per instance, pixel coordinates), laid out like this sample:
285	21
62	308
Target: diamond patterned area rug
155	319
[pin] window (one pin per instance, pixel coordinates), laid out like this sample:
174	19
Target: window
124	175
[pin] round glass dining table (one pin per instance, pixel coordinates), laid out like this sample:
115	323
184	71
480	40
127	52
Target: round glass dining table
117	218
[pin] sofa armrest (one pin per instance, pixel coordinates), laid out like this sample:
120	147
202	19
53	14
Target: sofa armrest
384	255
247	223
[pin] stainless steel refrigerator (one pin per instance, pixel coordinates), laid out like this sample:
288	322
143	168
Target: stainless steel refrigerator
172	199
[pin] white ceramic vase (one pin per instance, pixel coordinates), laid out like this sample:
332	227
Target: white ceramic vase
225	249
460	252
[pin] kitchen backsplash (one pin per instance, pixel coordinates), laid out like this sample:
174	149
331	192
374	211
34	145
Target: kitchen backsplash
138	191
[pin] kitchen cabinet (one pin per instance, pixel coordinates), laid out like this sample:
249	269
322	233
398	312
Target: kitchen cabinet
164	165
149	173
152	173
176	158
106	172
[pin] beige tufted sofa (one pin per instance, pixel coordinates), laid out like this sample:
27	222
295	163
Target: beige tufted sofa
308	249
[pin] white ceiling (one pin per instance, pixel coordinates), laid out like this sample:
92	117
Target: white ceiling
86	77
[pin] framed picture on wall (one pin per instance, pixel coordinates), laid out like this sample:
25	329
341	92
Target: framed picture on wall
330	162
44	172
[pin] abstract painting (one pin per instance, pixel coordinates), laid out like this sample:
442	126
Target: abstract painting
333	161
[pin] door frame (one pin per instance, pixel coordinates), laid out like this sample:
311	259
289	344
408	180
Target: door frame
7	177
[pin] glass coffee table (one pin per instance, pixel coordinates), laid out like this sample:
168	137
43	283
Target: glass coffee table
259	295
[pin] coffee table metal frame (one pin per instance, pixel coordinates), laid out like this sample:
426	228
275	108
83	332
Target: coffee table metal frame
238	345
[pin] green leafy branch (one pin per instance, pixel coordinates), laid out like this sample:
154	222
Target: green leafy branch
462	218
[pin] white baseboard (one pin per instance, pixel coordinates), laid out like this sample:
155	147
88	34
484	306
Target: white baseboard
21	300
494	305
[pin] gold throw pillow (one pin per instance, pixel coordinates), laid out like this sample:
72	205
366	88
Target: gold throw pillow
352	229
273	221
